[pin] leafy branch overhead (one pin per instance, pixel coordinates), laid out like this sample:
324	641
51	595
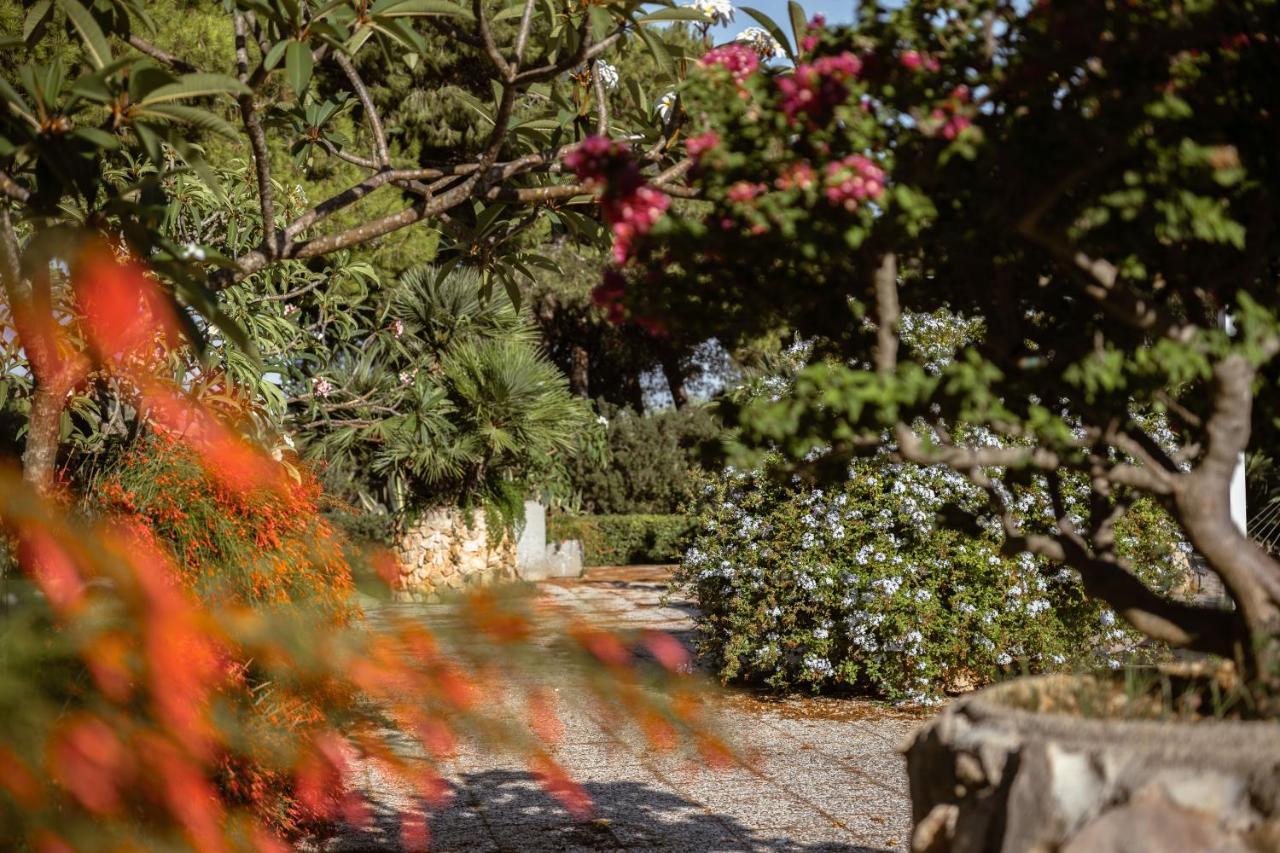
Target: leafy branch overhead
108	112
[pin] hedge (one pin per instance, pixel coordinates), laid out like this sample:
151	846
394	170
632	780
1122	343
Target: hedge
621	540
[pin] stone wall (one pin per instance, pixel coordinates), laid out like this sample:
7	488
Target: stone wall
443	553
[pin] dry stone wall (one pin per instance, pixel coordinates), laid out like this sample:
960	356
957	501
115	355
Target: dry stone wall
448	550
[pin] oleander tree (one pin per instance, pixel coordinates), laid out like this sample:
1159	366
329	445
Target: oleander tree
251	166
1092	184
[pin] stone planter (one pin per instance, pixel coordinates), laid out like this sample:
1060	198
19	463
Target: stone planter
988	776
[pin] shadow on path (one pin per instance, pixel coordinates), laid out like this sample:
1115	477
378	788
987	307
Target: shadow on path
501	811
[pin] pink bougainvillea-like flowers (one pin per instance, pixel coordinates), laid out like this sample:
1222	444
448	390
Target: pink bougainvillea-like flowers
853	180
630	205
736	58
816	88
698	145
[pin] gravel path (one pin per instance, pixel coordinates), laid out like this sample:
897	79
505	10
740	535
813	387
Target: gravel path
825	774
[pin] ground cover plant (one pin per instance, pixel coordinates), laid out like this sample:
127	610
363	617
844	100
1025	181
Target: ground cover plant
858	586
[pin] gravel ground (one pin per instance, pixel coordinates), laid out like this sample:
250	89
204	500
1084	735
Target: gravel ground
823	775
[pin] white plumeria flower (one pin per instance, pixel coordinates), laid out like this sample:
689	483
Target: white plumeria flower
665	106
765	45
716	11
192	251
608	75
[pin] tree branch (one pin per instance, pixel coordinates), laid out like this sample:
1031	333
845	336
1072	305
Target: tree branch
522	36
162	56
602	100
13	189
505	71
888	312
257	141
381	155
1202	501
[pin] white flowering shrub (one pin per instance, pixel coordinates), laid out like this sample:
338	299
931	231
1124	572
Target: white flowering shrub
806	588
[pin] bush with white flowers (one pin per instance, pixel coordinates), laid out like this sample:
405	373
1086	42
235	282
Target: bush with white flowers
806	588
863	586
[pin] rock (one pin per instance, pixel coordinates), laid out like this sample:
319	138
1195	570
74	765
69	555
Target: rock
986	775
1153	827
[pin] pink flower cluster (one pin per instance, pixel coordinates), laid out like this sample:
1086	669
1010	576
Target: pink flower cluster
798	176
816	88
608	296
745	191
736	58
913	60
949	116
630	206
852	180
632	216
698	145
601	160
810	39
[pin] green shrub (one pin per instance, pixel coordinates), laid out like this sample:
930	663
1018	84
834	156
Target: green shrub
655	460
620	540
799	587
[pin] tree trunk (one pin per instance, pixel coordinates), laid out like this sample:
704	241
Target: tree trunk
1202	506
40	457
580	371
32	310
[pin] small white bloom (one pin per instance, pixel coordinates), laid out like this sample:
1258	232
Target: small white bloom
193	252
765	45
666	104
407	376
604	422
323	387
1003	659
716	11
608	75
397	328
290	309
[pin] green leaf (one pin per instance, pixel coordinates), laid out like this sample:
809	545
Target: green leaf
197	118
90	33
150	142
196	86
680	13
97	137
37	17
772	28
297	65
272	59
659	51
474	103
513	290
416	8
508	13
799	20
